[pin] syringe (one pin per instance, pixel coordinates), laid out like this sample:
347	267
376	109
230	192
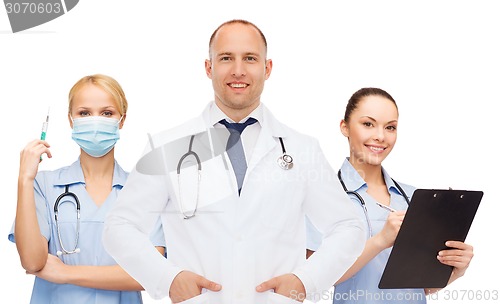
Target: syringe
45	126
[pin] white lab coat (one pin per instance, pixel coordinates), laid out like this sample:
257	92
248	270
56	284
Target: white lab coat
238	242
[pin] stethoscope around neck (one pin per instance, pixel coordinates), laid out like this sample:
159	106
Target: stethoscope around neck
285	162
179	164
362	201
56	212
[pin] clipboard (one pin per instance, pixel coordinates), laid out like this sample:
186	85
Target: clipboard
433	217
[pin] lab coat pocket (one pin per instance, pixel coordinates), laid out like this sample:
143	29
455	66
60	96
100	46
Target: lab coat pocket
282	213
280	194
278	219
276	298
201	299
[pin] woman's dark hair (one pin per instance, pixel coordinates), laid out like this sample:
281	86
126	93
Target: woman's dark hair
353	102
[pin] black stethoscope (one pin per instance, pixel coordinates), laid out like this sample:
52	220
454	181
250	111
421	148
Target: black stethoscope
362	201
285	162
179	164
56	212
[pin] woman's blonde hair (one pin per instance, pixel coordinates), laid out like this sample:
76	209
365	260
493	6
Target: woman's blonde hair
108	84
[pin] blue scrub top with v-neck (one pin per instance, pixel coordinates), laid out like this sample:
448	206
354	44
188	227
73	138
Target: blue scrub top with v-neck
362	287
48	186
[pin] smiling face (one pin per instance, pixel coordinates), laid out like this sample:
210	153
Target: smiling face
238	68
371	129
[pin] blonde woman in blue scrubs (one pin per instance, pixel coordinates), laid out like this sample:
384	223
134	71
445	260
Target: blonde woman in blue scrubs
370	125
97	110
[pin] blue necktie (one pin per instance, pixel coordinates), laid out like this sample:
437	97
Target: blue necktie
234	148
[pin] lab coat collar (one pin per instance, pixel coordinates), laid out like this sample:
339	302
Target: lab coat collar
74	175
271	130
216	115
268	122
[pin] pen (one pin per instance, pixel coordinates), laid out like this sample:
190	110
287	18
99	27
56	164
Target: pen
386	207
45	126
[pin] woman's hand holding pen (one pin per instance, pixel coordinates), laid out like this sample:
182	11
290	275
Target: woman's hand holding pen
390	230
30	158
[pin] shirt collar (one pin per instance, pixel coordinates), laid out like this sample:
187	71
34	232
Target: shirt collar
353	181
351	178
217	115
74	175
391	185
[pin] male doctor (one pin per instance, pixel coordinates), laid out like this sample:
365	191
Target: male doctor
234	225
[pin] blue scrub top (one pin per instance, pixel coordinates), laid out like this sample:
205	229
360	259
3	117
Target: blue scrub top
48	186
363	286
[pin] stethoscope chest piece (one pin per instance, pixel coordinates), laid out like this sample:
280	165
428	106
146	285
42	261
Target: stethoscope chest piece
285	162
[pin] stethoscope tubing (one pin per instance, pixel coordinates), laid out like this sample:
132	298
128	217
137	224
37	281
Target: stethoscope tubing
179	165
362	201
285	161
76	202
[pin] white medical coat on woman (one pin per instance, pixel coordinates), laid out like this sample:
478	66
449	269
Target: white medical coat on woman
236	241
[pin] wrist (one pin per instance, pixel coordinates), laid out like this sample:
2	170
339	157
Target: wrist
25	180
68	274
379	242
457	273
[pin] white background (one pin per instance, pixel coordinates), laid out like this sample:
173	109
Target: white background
439	59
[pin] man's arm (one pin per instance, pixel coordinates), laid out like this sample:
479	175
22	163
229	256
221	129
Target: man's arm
126	236
331	211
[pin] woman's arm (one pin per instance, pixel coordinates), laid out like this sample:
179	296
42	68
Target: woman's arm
31	245
100	277
382	240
